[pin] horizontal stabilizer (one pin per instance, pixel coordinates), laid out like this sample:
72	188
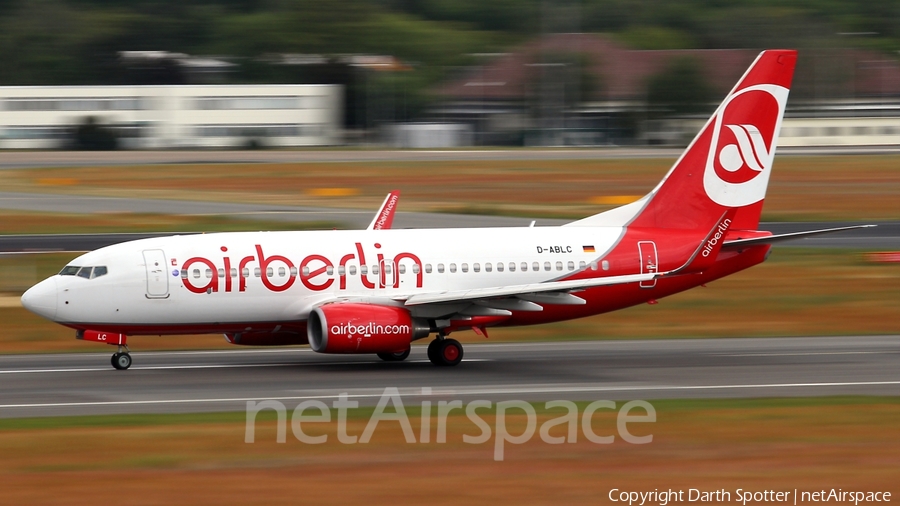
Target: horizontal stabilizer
771	239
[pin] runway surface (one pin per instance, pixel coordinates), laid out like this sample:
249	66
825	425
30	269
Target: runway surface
31	159
176	382
344	218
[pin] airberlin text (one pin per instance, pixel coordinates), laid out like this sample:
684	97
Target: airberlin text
316	272
712	241
367	330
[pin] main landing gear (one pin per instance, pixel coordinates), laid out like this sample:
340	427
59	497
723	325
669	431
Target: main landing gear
121	360
445	352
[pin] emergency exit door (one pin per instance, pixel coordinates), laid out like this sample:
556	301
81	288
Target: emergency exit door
649	261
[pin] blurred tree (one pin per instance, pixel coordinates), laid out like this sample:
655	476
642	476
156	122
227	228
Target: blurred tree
678	90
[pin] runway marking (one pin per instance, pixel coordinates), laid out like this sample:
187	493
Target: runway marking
463	391
804	354
216	366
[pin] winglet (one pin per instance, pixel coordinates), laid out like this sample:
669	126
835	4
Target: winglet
706	253
385	215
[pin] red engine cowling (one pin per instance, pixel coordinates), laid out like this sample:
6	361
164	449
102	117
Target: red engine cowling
363	328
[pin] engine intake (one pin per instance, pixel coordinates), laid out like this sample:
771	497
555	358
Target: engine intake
363	328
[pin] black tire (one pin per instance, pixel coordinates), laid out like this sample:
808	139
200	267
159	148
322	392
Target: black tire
449	353
398	356
121	361
114	360
432	351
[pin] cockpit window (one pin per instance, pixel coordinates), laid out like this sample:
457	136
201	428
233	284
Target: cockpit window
84	272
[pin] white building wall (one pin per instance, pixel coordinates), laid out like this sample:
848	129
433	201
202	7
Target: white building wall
174	116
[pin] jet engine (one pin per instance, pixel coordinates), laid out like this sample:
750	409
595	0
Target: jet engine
363	328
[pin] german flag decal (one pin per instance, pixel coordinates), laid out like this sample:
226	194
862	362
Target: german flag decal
588	249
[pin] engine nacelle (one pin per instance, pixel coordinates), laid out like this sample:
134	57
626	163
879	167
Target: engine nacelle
363	328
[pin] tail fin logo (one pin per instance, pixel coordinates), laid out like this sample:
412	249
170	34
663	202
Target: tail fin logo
750	150
745	130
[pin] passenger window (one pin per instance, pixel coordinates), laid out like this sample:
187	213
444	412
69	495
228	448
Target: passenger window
69	270
387	268
363	269
559	266
305	271
233	272
257	272
99	271
582	264
441	268
465	267
605	265
374	269
512	267
85	272
196	273
571	265
488	267
281	272
593	266
353	270
208	273
293	271
245	272
270	272
221	273
184	274
524	266
427	268
452	267
342	270
499	266
536	266
329	270
476	267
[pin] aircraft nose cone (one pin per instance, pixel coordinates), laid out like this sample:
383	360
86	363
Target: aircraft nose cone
41	298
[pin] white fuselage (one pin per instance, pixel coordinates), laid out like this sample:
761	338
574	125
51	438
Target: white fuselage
222	277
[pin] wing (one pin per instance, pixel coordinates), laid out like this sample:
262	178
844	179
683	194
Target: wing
559	287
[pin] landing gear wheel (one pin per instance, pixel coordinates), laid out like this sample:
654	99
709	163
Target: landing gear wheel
447	352
398	356
432	350
121	361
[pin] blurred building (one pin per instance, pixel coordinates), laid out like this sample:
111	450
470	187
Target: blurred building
191	116
575	88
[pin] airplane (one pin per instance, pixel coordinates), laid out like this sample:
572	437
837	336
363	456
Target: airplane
377	290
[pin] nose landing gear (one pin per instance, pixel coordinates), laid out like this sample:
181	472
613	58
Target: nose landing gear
121	360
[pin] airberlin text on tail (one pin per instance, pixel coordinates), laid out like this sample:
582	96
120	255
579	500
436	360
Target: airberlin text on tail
733	153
